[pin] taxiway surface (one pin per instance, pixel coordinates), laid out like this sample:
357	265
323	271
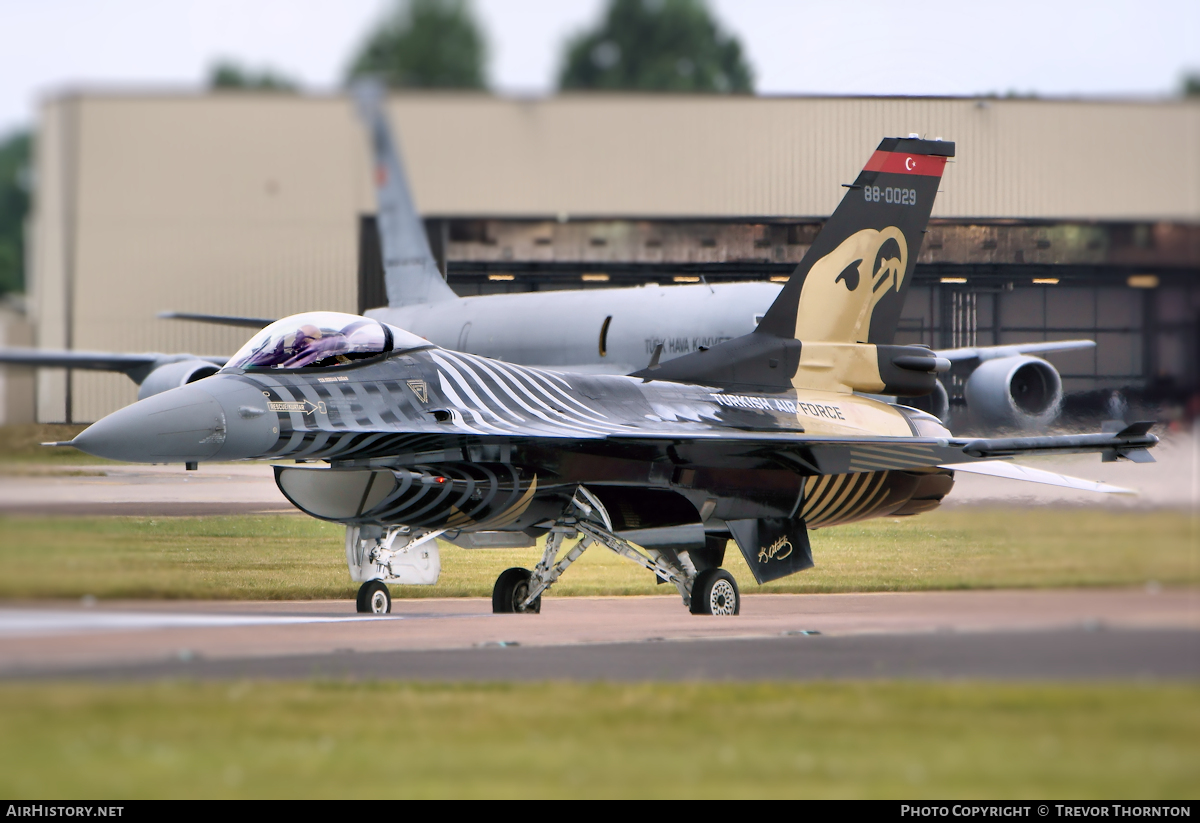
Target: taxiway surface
994	634
1110	634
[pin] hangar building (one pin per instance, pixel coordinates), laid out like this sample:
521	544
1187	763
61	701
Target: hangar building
1058	219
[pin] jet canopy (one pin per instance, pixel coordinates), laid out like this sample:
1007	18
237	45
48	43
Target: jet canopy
321	339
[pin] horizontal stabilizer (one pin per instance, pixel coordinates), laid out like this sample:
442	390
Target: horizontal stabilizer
1012	471
982	353
218	319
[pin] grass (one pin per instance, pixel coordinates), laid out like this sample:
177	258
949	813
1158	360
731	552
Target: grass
295	557
895	740
276	557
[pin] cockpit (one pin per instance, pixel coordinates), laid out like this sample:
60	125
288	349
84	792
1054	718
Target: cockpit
321	339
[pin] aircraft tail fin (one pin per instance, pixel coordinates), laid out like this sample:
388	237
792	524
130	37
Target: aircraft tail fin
410	273
832	325
850	286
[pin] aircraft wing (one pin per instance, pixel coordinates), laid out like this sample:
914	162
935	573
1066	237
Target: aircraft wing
130	364
101	361
982	353
842	455
219	319
591	368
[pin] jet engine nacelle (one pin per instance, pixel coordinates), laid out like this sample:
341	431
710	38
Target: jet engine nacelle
174	375
1016	392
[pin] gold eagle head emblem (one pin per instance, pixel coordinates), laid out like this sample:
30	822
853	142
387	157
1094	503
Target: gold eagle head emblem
843	287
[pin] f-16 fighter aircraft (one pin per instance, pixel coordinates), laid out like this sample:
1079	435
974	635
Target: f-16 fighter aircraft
611	331
757	440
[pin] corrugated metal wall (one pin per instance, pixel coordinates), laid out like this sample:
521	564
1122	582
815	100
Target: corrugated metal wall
226	205
248	203
48	253
736	157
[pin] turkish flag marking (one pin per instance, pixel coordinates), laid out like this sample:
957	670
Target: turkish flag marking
893	162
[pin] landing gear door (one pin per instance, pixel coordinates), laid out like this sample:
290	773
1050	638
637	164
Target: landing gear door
773	547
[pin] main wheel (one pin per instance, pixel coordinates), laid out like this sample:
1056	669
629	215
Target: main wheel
510	591
374	598
715	592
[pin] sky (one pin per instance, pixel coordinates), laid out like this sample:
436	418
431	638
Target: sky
1053	48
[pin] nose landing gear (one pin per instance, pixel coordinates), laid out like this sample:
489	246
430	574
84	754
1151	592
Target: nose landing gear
378	556
374	598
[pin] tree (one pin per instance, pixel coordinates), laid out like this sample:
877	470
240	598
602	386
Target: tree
425	44
1191	84
16	182
656	45
229	75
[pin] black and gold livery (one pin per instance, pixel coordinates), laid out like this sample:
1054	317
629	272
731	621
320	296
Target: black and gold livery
833	324
758	439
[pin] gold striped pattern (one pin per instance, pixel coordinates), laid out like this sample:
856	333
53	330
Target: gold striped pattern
869	457
458	518
504	518
842	498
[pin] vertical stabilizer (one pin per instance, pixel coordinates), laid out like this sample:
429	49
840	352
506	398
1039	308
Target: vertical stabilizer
410	272
832	325
851	285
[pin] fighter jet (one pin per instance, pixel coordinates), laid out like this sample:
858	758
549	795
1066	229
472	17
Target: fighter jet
758	439
611	331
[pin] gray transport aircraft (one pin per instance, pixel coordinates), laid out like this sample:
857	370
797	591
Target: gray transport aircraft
609	331
756	439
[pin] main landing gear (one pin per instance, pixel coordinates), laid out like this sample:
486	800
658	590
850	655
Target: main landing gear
710	591
715	592
511	593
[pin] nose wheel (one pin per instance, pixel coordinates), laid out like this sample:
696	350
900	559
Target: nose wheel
374	598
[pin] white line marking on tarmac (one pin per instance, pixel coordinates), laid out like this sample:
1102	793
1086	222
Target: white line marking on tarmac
17	622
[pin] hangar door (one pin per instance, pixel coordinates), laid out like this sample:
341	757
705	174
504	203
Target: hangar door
1144	336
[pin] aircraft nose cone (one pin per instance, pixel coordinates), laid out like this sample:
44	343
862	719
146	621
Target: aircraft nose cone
218	418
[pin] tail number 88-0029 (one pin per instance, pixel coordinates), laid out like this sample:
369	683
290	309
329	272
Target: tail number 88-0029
903	197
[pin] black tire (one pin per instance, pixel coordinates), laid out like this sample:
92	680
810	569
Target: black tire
716	592
512	587
374	598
